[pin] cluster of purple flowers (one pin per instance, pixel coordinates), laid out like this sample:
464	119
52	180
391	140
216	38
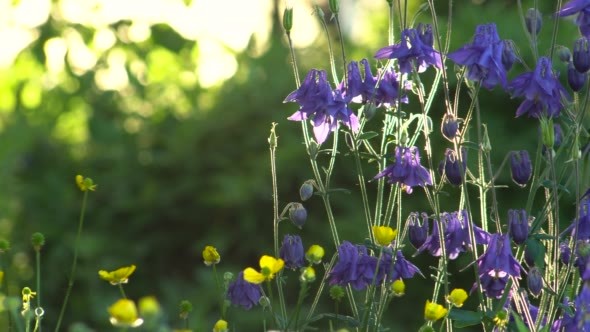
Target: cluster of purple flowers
406	169
356	267
496	265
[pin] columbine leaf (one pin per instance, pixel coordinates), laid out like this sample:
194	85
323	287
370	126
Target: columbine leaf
464	318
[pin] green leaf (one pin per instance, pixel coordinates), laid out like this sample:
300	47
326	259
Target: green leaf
520	326
351	321
367	135
464	318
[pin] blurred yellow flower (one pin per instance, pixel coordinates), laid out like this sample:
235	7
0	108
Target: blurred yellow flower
384	235
314	254
307	274
398	288
220	326
211	256
457	297
119	276
85	184
124	314
149	306
28	295
269	266
434	311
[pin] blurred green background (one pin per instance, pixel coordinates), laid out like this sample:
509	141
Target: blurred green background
167	105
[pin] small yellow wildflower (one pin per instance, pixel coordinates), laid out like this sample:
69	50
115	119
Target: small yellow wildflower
434	311
124	314
28	295
220	326
384	235
314	254
119	276
457	297
269	266
85	184
211	256
308	274
501	319
398	288
149	306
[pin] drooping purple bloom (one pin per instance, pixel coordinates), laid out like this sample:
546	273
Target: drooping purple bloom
521	167
533	21
582	305
518	225
581	55
542	91
414	49
452	167
449	126
355	267
417	232
242	293
322	105
582	8
406	169
493	286
535	281
580	228
456	235
575	79
497	264
292	252
565	252
402	268
484	57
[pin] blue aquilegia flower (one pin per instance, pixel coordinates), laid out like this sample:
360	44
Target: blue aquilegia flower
518	225
406	169
292	252
417	232
355	267
414	49
582	8
582	315
456	235
542	91
521	167
363	90
402	268
322	105
496	265
580	228
452	167
242	293
483	57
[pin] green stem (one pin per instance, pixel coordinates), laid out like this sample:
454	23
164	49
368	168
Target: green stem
38	279
122	291
74	263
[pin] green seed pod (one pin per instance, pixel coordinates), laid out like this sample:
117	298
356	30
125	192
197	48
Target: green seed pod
288	19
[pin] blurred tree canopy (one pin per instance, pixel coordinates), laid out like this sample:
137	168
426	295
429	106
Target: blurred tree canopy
178	165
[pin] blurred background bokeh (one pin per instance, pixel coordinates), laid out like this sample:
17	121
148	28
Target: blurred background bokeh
167	106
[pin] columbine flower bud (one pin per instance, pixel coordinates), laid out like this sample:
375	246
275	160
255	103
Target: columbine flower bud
450	126
211	256
535	282
307	274
508	54
564	54
288	19
398	288
533	21
417	232
314	254
337	293
306	190
565	252
581	58
297	214
452	167
37	240
518	225
575	79
521	167
534	253
334	6
292	252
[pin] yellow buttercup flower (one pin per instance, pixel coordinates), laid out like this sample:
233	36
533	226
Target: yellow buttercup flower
85	184
315	254
211	256
434	311
124	314
457	297
220	326
269	266
384	235
501	319
398	288
119	276
307	274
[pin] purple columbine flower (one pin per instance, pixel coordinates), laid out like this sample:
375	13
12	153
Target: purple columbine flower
452	167
518	225
581	55
292	252
322	105
484	57
242	293
582	305
365	90
449	126
402	268
565	252
496	264
535	281
582	8
521	167
580	228
575	79
456	235
417	233
414	49
583	259
355	267
542	91
406	169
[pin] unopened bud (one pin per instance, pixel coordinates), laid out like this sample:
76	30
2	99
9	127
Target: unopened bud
533	21
535	282
288	19
564	54
581	58
307	275
297	214
521	166
306	190
37	240
450	126
334	6
337	293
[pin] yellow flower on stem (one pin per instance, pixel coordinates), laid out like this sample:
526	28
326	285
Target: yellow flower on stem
398	288
211	256
119	276
269	266
28	295
384	235
457	297
220	326
314	254
85	184
124	314
434	311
